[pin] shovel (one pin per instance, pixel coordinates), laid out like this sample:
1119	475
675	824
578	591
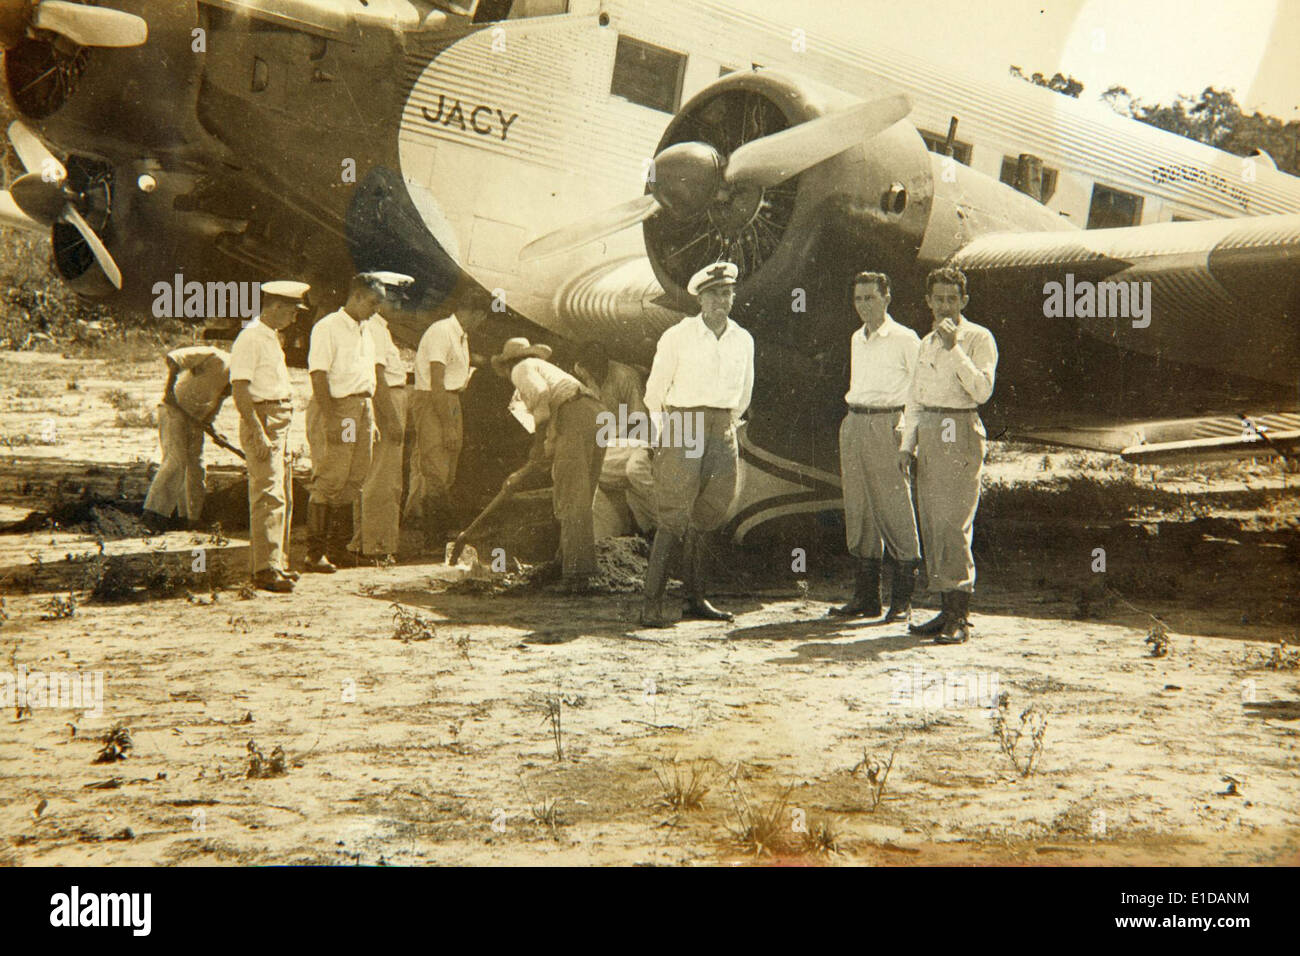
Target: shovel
508	489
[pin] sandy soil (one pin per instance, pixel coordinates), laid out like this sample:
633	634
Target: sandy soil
442	747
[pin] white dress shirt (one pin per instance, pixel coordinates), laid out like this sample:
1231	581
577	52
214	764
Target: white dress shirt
694	368
543	387
387	353
257	358
446	342
344	354
959	377
881	365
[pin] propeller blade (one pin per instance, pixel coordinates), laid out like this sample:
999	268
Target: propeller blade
91	26
40	199
612	220
102	255
11	215
34	155
773	159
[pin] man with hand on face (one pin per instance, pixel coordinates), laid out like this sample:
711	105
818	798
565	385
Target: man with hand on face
877	498
442	373
376	514
259	381
943	438
340	419
704	368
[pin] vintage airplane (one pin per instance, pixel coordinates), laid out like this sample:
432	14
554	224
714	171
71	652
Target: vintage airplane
509	149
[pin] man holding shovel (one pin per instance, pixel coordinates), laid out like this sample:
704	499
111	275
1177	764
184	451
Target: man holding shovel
564	417
198	381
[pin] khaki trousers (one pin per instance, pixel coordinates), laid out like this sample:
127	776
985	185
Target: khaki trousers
270	488
948	494
575	473
376	515
696	493
437	452
340	441
877	496
178	485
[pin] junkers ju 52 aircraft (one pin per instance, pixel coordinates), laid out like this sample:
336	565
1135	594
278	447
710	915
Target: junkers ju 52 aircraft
578	161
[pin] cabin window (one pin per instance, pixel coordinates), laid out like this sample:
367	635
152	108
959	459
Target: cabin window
934	143
524	9
648	75
1113	208
1010	169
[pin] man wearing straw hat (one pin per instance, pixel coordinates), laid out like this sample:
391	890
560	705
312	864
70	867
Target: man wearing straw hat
564	415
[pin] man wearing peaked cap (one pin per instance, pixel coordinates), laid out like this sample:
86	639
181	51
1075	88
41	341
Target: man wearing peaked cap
564	416
703	368
340	419
259	380
718	274
376	513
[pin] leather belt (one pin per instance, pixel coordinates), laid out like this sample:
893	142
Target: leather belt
939	409
875	410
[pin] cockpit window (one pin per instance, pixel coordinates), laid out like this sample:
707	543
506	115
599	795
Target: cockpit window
648	75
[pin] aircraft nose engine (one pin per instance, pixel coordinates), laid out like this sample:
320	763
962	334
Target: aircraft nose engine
728	182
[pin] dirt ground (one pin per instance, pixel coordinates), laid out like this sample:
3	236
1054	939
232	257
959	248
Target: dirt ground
423	718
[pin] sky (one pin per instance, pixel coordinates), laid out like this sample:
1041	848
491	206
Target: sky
1156	48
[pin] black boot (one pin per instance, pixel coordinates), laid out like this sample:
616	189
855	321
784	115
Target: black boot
957	629
936	623
317	538
435	525
340	534
866	592
656	580
697	605
900	593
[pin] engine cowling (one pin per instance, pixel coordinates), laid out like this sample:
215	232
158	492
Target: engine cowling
865	208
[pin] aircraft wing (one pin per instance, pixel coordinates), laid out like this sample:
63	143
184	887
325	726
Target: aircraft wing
1224	293
1219	295
1179	440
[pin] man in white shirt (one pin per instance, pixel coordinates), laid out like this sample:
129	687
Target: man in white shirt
442	373
565	416
943	438
340	420
877	498
259	381
704	368
198	381
376	514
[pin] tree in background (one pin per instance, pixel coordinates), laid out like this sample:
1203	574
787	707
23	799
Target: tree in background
1061	84
1216	119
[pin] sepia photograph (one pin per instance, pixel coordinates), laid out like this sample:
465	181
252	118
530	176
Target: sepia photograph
669	433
